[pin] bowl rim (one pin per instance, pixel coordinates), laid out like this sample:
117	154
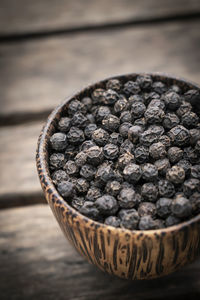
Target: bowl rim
48	185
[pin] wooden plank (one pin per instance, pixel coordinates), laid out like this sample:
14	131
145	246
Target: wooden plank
19	184
36	16
38	263
37	75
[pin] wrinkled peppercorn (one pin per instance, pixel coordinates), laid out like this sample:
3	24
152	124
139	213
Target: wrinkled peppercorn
129	218
112	221
149	191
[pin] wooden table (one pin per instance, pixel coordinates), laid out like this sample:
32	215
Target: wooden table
48	50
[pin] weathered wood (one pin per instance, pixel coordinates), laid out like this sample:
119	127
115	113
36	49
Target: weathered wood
36	16
38	263
36	76
18	176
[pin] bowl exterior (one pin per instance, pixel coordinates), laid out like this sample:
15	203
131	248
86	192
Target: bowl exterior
124	253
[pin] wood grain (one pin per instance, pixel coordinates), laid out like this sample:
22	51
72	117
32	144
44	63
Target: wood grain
19	184
37	75
38	263
37	16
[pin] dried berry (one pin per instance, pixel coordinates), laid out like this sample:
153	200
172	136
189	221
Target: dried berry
172	100
157	150
87	102
195	202
170	120
147	209
195	171
77	202
176	174
75	106
157	103
79	120
113	188
162	165
110	151
94	155
149	172
100	136
138	109
163	206
93	194
172	220
192	155
116	139
181	207
149	191
147	223
129	218
184	108
89	129
111	123
71	168
186	165
144	81
126	116
75	135
154	115
175	154
64	124
66	189
126	146
114	84
58	141
105	173
151	135
132	172
159	87
98	95
124	128
107	205
102	112
179	135
189	119
194	136
88	171
89	209
131	87
124	160
166	188
59	176
110	97
112	221
126	198
191	186
87	145
82	185
134	133
56	161
141	154
120	105
165	140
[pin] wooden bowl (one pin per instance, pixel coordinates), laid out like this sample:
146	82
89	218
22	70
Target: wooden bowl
122	252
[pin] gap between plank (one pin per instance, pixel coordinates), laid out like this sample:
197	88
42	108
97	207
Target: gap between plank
20	37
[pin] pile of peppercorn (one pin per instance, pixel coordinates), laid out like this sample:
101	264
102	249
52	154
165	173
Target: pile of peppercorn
128	155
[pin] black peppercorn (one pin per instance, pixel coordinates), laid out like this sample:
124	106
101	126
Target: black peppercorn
89	129
115	138
82	185
113	188
195	171
75	106
132	172
94	155
144	81
113	84
129	218
163	206
181	207
112	221
159	87
58	176
166	188
56	161
93	193
179	135
147	223
89	209
172	220
79	120
107	205
66	189
141	154
157	150
176	174
149	172
64	124
172	100
71	168
120	105
102	112
58	141
191	186
110	151
98	96
134	133
126	198
75	135
149	191
124	128
189	119
125	116
138	109
124	160
77	202
175	154
162	165
170	120
100	136
111	123
154	115
110	97
88	171
131	87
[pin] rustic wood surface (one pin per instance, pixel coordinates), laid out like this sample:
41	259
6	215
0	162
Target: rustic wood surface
19	181
36	16
38	263
37	75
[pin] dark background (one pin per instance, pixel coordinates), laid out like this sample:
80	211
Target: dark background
49	50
